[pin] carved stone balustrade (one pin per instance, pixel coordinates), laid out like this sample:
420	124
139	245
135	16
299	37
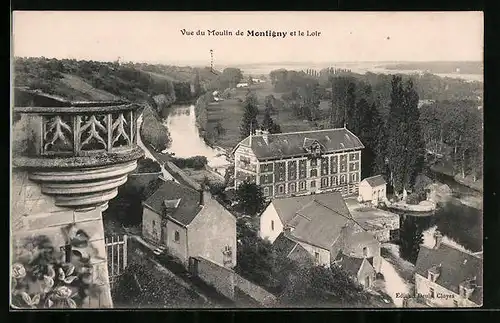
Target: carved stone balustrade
79	152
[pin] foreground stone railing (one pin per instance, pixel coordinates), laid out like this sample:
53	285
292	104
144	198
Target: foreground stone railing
81	152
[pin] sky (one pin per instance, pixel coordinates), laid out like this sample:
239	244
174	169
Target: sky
156	37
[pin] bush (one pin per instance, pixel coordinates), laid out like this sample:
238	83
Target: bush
413	199
153	132
146	165
196	162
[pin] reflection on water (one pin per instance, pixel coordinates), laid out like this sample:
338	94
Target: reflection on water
460	225
186	140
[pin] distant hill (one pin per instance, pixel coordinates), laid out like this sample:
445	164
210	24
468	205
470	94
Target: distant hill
92	80
439	67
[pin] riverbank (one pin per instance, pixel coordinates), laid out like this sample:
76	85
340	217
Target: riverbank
443	170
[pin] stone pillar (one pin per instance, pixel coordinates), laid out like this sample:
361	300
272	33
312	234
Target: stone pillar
35	216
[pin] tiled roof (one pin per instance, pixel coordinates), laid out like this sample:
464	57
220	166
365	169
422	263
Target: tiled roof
456	267
285	246
317	219
187	208
358	238
375	181
350	264
291	144
288	207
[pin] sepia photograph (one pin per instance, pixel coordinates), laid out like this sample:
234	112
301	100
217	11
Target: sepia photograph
232	160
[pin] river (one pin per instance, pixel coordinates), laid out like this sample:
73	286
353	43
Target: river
460	224
186	139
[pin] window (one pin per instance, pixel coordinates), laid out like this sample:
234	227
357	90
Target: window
313	184
455	303
335	181
177	236
342	179
272	225
266	191
324	182
342	168
431	292
302	185
292	188
365	252
316	257
154	223
314	172
281	189
314	162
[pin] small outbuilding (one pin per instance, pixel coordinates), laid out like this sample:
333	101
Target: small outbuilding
373	189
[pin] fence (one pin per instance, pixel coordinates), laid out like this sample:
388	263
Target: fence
116	249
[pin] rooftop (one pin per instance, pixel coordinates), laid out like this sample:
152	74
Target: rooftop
317	219
456	267
283	145
184	198
375	181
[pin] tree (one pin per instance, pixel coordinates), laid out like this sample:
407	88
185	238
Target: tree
197	84
219	129
147	165
405	147
411	237
249	120
322	286
230	77
250	198
269	124
351	114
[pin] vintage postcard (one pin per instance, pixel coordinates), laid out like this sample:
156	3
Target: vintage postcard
246	160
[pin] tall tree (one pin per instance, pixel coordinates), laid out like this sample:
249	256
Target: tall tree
249	120
269	124
197	84
405	147
250	198
351	114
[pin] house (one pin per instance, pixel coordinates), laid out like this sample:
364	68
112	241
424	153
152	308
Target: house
190	223
373	189
360	269
448	277
321	225
298	163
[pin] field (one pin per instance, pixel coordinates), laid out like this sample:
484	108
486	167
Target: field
229	113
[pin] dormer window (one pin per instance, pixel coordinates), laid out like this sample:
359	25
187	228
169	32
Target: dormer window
432	276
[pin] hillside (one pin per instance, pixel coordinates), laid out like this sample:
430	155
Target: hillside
156	85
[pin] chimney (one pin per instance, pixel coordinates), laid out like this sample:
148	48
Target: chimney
438	237
265	136
201	202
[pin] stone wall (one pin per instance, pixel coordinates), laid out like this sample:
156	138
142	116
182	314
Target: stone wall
222	279
35	218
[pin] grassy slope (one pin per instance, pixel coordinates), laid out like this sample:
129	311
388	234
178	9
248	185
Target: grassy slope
229	113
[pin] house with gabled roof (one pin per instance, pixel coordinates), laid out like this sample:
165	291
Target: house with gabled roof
299	163
373	189
321	225
190	223
360	269
448	277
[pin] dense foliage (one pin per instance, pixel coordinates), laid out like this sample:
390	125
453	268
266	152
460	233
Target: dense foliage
153	132
405	146
144	286
296	284
227	79
146	165
454	129
127	207
249	120
195	162
250	198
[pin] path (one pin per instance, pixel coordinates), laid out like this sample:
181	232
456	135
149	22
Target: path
148	154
